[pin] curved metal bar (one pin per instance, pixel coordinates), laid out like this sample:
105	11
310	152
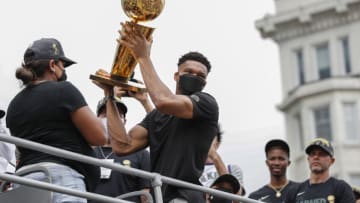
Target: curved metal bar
148	196
61	189
136	172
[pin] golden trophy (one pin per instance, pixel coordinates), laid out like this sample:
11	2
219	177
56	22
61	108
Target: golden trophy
124	62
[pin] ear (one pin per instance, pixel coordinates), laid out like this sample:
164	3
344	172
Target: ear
332	160
289	162
176	76
217	145
52	65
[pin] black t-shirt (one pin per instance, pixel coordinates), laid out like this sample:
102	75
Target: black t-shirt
120	183
41	113
179	147
268	195
331	191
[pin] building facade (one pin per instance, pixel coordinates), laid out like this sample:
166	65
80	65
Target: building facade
319	48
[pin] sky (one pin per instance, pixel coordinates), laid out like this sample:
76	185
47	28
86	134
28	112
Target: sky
245	76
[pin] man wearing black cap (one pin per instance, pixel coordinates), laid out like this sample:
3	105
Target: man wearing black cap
225	183
321	187
114	183
277	159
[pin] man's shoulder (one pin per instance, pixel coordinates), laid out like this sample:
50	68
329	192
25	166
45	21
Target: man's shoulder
293	187
203	95
294	183
205	105
259	192
334	180
339	184
343	190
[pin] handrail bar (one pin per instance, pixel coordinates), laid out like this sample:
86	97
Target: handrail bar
156	178
60	189
149	198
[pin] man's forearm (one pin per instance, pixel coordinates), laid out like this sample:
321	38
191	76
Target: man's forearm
116	128
158	91
219	165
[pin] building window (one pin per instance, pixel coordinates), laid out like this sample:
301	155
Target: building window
323	122
299	132
346	54
351	121
300	66
323	61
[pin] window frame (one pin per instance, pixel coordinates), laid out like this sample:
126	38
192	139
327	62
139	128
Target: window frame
317	125
355	120
345	54
323	72
300	65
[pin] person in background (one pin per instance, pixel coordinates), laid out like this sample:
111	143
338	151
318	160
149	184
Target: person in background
277	153
321	187
180	129
7	151
356	191
215	167
52	111
114	183
226	183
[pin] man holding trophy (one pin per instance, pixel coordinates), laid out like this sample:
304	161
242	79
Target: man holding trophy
180	129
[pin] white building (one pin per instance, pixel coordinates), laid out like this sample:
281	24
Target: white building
319	45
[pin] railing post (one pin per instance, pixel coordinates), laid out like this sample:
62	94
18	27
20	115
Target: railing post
156	184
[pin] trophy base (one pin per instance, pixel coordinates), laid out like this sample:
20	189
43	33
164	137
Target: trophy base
131	86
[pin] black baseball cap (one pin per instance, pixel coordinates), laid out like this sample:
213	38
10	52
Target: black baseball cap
277	143
46	48
102	103
229	179
322	143
2	113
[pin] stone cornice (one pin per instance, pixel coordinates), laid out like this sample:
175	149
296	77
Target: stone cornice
308	20
320	87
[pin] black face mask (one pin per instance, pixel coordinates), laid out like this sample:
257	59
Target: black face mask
190	84
216	199
63	76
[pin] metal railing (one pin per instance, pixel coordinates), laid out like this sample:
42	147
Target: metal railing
155	178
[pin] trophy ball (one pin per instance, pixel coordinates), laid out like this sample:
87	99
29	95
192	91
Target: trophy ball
142	10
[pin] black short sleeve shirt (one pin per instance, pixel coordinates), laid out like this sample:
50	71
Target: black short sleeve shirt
331	191
179	147
42	113
268	195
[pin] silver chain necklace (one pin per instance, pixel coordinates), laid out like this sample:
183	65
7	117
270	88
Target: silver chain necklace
103	155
